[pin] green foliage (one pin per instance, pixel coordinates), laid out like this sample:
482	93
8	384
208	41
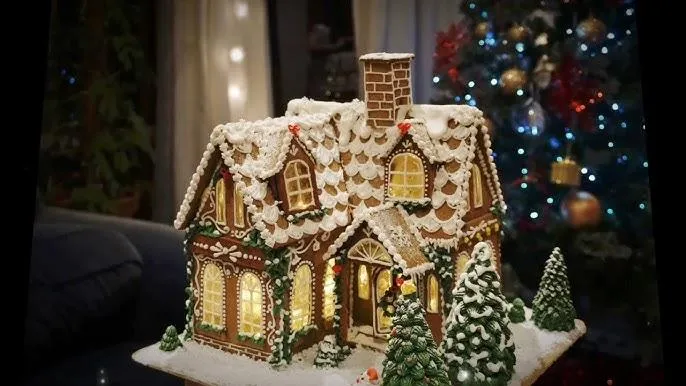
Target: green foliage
516	313
413	206
312	215
210	328
192	231
254	338
477	324
412	356
445	268
277	263
552	306
170	340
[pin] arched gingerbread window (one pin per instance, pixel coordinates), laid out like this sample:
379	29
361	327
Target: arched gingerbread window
213	296
298	182
477	193
329	286
301	301
238	208
250	322
406	177
220	205
432	295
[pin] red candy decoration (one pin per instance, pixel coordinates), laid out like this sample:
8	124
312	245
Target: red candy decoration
404	127
448	43
337	269
399	281
294	129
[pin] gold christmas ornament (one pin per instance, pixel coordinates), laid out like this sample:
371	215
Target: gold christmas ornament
581	209
566	172
513	80
517	33
408	288
482	29
591	30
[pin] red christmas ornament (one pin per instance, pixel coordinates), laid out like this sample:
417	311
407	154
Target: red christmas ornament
454	74
337	269
294	129
448	43
394	332
399	281
573	94
404	127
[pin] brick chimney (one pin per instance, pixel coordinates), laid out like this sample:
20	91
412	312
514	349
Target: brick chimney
386	86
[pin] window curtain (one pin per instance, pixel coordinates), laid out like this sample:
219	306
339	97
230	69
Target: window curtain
213	68
404	26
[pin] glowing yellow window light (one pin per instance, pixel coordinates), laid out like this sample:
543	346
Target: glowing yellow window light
213	296
329	290
251	305
362	282
383	283
432	294
220	190
238	208
301	301
477	190
298	185
406	177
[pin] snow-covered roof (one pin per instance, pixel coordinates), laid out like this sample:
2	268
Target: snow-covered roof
386	56
255	151
391	226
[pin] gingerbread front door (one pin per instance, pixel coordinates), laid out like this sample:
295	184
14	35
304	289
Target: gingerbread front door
371	265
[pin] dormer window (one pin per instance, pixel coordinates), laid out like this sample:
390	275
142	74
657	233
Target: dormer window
406	177
298	183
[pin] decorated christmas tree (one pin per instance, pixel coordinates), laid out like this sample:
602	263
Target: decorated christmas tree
560	86
170	339
412	356
516	313
478	346
552	307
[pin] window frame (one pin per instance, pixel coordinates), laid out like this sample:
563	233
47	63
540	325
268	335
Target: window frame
408	146
428	294
222	297
295	297
282	186
241	315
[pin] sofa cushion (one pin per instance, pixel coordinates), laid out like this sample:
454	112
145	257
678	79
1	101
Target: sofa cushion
83	281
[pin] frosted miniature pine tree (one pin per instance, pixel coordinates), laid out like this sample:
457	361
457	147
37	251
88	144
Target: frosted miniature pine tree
170	339
329	353
478	346
412	356
516	312
552	306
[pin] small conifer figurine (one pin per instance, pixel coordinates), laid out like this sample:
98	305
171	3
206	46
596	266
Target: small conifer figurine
412	356
478	346
552	306
516	312
170	339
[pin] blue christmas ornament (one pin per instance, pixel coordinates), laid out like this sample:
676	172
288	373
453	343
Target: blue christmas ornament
529	118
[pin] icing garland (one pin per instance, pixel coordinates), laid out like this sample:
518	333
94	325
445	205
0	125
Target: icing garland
210	328
193	230
277	263
255	338
316	214
413	206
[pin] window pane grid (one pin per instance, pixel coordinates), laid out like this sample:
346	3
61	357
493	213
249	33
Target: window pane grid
298	185
329	291
406	177
251	304
302	298
213	295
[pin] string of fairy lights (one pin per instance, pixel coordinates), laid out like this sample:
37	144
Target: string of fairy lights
589	40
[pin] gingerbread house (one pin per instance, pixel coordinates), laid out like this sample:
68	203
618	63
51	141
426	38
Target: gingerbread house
303	226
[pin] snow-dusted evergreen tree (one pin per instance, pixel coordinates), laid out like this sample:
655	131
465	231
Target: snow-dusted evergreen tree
552	306
478	347
516	312
170	339
412	356
329	353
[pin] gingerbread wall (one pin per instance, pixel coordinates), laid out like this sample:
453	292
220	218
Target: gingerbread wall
387	89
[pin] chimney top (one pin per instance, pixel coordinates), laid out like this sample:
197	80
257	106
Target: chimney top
385	56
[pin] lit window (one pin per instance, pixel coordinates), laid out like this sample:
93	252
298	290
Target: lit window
329	290
369	250
251	305
477	192
301	302
362	282
298	185
406	177
213	296
383	283
221	202
461	264
238	208
432	294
